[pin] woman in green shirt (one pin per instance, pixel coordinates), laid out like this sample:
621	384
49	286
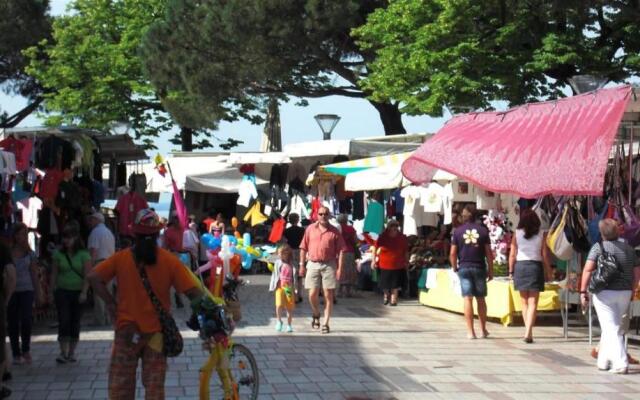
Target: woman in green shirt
71	264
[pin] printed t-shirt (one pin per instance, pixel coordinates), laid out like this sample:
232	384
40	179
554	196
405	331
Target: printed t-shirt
393	251
294	235
128	206
322	244
471	239
134	305
71	277
431	198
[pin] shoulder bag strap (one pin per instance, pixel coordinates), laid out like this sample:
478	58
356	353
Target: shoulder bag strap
71	266
152	296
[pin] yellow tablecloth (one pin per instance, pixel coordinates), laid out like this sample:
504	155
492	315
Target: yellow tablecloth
502	299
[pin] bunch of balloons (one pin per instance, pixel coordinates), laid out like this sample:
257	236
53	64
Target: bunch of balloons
229	251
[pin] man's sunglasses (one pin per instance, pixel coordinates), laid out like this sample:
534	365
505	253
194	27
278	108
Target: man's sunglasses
323	214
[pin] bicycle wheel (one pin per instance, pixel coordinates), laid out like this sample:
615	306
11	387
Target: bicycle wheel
244	370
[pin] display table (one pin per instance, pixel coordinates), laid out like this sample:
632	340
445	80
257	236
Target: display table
502	299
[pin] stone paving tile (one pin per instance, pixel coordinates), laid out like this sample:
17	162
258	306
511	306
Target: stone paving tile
373	352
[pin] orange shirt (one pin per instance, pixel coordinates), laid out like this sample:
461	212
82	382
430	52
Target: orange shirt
393	251
322	244
134	305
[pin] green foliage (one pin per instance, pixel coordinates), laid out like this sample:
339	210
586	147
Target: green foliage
227	57
93	73
23	24
467	53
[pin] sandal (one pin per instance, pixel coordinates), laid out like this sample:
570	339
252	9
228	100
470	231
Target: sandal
315	322
325	329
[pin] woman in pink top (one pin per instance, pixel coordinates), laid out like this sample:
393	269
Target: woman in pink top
349	276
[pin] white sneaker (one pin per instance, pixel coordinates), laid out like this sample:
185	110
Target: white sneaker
619	371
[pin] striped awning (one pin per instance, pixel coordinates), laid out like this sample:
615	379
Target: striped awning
346	167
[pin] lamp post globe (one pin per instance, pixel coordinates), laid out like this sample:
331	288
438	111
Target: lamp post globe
327	122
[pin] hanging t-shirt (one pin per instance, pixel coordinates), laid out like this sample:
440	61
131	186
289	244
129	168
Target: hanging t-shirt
21	149
358	205
30	208
486	200
431	198
447	203
374	220
127	207
246	192
50	183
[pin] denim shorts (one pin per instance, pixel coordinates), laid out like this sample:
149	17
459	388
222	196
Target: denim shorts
473	281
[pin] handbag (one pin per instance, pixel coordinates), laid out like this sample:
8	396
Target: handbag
594	220
172	343
576	229
557	239
607	269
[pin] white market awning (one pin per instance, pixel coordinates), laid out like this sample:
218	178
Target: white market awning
385	177
317	149
272	157
225	180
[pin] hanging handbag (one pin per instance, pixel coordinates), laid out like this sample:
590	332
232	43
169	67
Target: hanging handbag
172	343
607	270
576	229
557	239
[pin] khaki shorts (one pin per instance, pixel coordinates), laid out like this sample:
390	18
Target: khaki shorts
320	275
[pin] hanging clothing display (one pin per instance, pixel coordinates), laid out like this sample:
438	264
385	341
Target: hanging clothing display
463	192
486	200
50	184
54	152
277	229
247	191
254	216
20	148
447	203
432	198
298	206
30	208
413	213
127	207
358	205
374	220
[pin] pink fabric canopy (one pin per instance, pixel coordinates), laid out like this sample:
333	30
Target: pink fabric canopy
554	147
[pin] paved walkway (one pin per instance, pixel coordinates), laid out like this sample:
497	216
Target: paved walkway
373	352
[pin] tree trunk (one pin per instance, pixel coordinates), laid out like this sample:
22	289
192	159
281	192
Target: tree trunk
15	119
391	118
186	138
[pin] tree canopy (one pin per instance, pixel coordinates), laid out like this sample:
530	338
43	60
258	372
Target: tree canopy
228	57
467	53
23	24
93	72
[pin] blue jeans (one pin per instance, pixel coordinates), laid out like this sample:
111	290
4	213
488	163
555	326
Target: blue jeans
473	281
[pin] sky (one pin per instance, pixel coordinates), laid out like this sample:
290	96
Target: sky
358	118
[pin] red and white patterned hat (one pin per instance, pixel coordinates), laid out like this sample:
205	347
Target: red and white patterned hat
147	222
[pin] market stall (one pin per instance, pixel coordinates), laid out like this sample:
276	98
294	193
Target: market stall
564	148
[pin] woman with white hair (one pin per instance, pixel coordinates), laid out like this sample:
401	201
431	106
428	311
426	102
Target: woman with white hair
612	302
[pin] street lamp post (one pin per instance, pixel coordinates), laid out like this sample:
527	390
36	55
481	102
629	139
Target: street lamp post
120	127
327	122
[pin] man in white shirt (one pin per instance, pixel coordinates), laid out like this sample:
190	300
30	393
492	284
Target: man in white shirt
101	245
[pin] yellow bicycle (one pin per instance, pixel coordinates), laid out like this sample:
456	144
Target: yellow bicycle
233	362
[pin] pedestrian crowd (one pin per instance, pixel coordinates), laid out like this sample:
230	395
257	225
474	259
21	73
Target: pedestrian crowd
132	286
